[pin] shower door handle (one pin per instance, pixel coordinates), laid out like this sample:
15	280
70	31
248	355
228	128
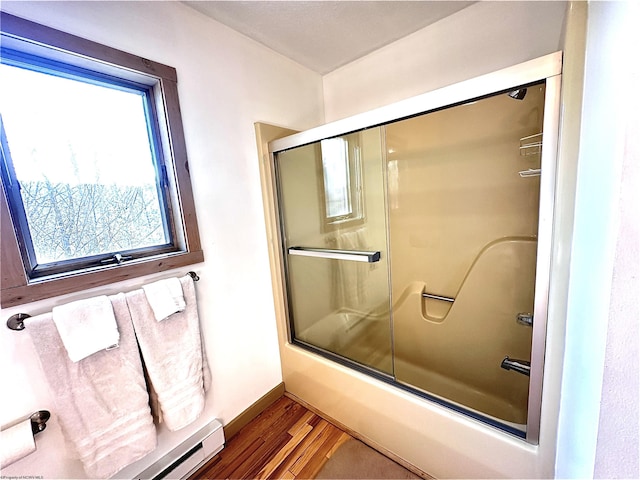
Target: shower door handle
353	255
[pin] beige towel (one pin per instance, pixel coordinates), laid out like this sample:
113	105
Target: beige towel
165	297
101	401
86	326
173	355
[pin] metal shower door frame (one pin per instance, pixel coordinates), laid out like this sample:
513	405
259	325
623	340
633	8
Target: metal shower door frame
547	68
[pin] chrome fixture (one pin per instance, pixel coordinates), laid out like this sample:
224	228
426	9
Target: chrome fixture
518	94
354	255
194	276
16	322
438	297
39	421
525	319
520	366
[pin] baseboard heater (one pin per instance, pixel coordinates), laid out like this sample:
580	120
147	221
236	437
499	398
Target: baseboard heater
188	456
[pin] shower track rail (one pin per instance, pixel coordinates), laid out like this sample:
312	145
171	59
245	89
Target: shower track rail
354	255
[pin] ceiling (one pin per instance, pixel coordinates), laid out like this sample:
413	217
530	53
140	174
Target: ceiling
324	35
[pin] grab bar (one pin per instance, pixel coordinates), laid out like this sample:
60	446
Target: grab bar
438	297
354	255
520	366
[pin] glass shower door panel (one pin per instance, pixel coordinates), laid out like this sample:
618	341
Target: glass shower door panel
464	187
332	204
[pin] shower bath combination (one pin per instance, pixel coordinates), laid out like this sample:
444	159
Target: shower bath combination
416	249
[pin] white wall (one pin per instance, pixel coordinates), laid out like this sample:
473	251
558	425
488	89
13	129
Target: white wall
479	39
226	83
598	425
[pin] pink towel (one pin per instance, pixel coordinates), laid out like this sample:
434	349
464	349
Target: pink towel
101	401
173	356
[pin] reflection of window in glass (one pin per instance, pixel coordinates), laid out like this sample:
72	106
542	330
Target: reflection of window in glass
335	167
342	180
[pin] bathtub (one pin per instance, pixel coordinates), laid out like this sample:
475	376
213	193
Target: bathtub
364	339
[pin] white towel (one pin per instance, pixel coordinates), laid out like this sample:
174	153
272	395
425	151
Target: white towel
165	297
101	402
86	326
173	356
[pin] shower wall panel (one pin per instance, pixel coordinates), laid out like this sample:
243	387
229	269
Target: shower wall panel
463	225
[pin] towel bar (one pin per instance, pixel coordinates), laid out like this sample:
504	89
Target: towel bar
16	322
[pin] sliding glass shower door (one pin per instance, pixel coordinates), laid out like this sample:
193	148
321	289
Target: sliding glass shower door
464	196
333	214
411	249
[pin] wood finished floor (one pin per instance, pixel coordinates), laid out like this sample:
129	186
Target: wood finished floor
286	441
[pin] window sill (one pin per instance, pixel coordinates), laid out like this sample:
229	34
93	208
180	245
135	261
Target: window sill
51	287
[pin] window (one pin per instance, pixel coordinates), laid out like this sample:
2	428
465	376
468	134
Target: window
342	180
82	156
94	167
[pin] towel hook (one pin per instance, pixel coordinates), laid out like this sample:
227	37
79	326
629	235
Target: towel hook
194	275
39	421
16	322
